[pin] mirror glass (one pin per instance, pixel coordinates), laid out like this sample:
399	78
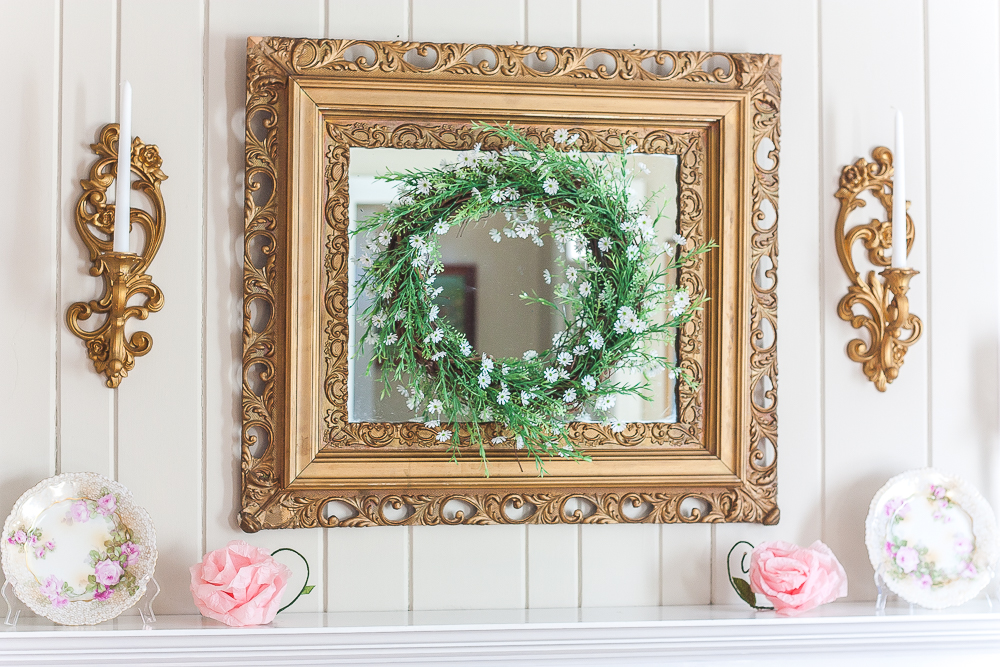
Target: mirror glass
483	279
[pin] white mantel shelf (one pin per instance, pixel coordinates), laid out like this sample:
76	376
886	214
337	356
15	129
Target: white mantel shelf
844	633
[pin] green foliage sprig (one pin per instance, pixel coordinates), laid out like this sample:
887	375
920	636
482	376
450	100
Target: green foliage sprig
609	298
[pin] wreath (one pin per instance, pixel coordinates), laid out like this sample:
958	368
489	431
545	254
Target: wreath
609	298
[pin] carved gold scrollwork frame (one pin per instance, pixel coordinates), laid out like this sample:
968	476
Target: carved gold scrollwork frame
888	313
310	101
111	350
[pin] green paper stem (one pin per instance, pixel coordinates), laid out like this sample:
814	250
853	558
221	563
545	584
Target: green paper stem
306	588
741	586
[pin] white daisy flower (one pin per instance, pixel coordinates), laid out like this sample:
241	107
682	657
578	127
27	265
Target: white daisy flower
537	240
547	276
434	337
443	436
434	293
402	390
487	364
435	406
560	136
366	262
477	193
617	425
669	249
596	339
484	380
520	442
433	314
529	355
551	375
579	349
497	196
465	349
379	321
509	233
405	200
391	339
526	397
569	396
680	240
401	314
575	154
499	440
605	402
642	167
550	186
571	274
383	238
433	423
504	369
441	227
632	252
620	327
682	299
584	289
564	358
563	374
583	417
423	186
495	235
631	148
437	356
486	415
589	383
504	394
604	243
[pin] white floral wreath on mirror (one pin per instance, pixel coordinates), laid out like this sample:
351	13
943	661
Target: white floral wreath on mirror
608	300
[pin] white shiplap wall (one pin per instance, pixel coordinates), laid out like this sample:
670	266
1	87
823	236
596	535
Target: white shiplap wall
171	431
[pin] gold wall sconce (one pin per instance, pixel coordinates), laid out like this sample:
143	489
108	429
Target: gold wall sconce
124	273
888	310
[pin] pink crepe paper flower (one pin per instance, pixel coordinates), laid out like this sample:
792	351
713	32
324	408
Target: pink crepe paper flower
794	579
108	572
106	505
239	585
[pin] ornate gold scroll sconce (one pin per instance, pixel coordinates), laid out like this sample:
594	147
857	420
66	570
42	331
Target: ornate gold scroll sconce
888	308
112	352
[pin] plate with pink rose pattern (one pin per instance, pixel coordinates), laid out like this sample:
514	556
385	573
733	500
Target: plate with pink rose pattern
77	549
932	538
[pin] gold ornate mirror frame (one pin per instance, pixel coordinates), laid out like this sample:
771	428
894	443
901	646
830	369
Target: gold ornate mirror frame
304	464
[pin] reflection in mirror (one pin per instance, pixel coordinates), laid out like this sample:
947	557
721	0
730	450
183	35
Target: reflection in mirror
483	279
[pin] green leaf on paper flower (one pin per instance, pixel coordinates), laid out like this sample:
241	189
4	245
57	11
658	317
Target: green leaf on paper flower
744	591
306	590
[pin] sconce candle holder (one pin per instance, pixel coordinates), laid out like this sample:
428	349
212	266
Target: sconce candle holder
112	351
888	309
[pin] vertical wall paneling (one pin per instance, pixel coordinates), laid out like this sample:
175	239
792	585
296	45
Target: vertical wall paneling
551	23
378	560
385	20
496	22
620	565
962	223
160	403
632	24
870	436
29	186
229	22
89	102
684	25
468	567
750	27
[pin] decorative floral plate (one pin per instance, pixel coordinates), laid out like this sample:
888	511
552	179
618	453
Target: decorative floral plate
77	549
932	538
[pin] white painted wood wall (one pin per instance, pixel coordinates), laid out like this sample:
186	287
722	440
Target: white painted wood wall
171	431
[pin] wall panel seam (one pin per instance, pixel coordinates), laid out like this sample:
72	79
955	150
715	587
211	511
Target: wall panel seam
929	330
57	377
204	275
821	292
118	79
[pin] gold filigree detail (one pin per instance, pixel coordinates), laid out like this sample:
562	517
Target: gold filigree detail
888	310
111	350
273	62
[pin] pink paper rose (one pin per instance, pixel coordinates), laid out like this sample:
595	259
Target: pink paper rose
239	585
794	579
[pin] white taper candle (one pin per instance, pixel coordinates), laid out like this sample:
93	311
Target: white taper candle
124	183
899	198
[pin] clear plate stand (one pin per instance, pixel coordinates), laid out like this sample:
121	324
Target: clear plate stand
992	592
145	604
